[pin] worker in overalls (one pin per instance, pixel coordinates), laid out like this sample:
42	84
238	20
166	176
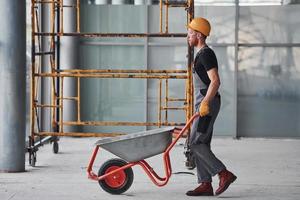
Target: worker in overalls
207	103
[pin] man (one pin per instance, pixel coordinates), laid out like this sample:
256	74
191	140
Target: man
207	103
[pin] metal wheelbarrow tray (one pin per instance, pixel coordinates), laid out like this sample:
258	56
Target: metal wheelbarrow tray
138	146
116	176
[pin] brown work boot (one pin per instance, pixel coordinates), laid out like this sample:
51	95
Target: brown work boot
205	189
226	178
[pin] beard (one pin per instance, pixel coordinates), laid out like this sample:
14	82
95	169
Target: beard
193	43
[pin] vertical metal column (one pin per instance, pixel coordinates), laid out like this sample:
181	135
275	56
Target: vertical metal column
69	60
44	90
13	82
189	88
146	62
236	62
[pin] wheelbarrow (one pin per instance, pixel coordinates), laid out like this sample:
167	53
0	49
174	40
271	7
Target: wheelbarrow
115	176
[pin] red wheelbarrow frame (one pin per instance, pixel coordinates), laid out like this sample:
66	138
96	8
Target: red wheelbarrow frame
156	179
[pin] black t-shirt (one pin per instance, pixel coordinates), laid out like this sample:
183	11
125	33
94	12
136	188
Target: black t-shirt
205	60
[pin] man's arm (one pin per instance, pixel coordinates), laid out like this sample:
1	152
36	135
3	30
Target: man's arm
214	84
211	91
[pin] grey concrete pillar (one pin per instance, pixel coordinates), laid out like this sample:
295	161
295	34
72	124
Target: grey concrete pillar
13	85
69	60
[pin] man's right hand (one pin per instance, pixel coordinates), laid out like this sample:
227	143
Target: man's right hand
204	108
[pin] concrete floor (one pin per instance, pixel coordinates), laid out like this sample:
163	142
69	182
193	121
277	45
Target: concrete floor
266	169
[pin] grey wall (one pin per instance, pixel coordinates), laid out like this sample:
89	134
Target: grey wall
268	76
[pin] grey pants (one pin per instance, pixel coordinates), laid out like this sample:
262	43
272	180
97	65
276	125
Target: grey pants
207	163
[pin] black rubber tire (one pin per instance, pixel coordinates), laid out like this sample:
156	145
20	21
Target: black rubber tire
128	172
32	159
55	147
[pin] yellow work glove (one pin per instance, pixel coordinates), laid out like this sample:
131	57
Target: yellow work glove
204	108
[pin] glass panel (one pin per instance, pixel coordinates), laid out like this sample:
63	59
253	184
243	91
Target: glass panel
244	2
176	90
269	92
112	57
222	20
214	2
113	19
225	122
173	58
269	24
176	24
113	99
261	2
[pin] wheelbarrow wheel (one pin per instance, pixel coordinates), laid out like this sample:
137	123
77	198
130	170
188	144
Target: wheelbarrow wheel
118	182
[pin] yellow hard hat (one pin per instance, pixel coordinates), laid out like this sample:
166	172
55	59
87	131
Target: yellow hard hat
201	25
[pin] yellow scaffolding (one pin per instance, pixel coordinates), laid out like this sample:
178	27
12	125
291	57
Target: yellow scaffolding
57	76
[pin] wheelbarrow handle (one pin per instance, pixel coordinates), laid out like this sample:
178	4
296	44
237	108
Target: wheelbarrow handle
187	125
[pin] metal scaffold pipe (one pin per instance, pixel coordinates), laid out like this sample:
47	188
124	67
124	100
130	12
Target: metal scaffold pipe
69	58
13	82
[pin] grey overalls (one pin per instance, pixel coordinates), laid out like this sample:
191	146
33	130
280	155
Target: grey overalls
201	134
